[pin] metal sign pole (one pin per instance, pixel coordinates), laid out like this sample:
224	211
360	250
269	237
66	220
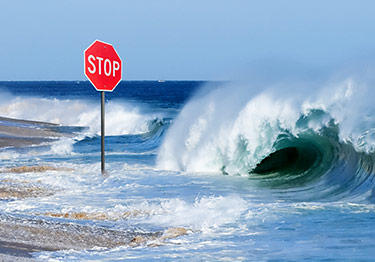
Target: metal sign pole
102	132
99	57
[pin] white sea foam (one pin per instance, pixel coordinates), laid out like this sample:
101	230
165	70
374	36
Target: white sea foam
7	155
204	214
235	128
63	146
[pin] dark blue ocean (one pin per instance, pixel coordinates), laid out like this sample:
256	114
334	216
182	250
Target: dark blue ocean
195	171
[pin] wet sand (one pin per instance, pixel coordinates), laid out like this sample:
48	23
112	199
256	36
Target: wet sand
27	122
20	236
19	133
33	169
14	189
37	234
11	251
27	132
21	142
18	241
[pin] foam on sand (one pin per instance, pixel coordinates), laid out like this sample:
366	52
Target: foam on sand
13	189
33	169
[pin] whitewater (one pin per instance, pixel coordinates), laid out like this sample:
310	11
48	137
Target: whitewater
197	171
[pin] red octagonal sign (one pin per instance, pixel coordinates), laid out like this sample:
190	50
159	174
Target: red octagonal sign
103	66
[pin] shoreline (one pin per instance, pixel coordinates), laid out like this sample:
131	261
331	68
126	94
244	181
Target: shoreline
20	133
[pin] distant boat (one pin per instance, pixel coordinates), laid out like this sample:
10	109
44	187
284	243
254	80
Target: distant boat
161	81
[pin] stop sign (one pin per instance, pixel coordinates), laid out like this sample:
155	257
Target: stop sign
103	66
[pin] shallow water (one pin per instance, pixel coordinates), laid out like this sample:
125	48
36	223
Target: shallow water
181	181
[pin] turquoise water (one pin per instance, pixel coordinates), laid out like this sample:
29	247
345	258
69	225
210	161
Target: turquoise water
248	174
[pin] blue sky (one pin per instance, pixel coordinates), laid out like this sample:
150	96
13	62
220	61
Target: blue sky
45	40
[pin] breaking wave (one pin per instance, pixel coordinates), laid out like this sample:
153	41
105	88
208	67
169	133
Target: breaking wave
321	141
121	118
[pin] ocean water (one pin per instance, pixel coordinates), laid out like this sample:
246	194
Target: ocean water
196	171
